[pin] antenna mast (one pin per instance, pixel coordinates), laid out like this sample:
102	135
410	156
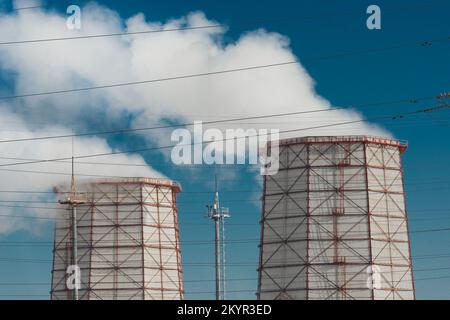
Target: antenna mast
218	215
73	199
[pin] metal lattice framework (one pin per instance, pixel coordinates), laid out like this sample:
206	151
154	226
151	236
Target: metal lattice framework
334	222
128	242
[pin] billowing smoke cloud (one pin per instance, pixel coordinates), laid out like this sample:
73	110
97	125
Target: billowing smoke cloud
60	65
26	190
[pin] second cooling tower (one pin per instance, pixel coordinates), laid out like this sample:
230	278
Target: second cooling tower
334	222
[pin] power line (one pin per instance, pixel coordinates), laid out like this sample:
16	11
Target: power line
326	194
236	241
236	264
105	258
427	42
110	34
237	119
132	83
55	218
329	196
27	8
350	186
391	117
350	183
201	280
220	25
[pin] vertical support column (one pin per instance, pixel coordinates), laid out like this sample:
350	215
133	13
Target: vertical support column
262	223
74	249
53	262
116	244
388	214
407	227
308	215
91	249
177	243
68	255
222	251
158	225
144	286
366	169
217	251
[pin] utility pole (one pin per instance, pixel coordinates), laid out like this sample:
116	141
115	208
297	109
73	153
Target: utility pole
218	215
73	200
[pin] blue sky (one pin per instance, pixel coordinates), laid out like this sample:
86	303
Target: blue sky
316	29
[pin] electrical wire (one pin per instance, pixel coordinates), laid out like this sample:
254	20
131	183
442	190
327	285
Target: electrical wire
104	35
218	121
133	83
218	72
391	117
241	241
401	9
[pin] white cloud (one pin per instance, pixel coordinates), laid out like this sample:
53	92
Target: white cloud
59	65
14	179
91	62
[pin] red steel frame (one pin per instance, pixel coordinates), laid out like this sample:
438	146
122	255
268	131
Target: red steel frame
168	287
386	150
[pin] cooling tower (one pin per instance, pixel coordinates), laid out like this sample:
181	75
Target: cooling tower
128	242
334	222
